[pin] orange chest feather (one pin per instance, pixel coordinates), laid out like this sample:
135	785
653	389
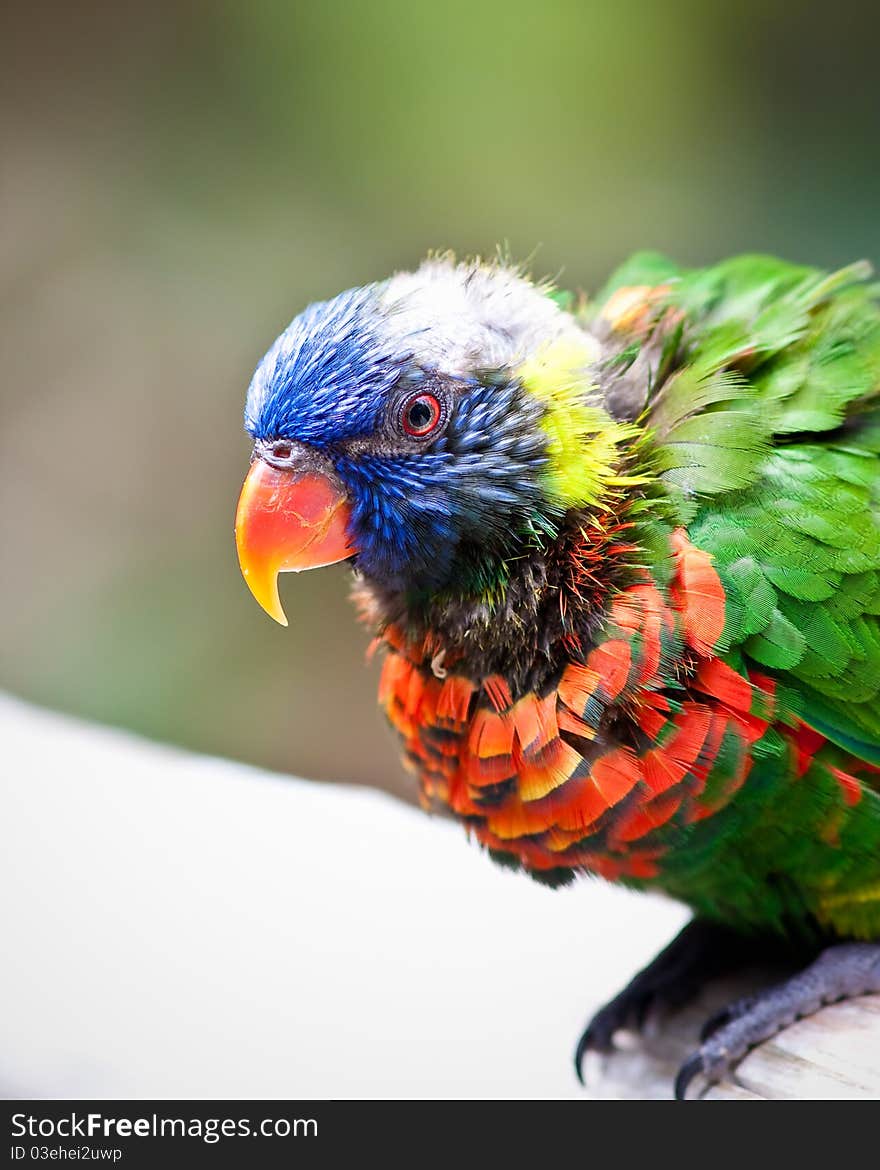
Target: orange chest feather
627	741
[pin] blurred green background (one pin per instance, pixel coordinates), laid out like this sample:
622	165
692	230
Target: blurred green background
180	179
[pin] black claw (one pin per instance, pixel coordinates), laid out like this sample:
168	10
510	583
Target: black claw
675	976
580	1053
585	1045
596	1037
691	1068
704	949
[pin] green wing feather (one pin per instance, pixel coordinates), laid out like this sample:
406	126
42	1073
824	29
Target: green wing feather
767	438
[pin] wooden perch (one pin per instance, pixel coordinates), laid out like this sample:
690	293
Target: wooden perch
833	1055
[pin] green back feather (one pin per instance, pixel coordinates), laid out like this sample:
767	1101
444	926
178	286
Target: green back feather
767	438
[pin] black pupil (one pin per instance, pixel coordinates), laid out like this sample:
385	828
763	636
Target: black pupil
420	415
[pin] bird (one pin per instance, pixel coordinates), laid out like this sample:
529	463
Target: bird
620	554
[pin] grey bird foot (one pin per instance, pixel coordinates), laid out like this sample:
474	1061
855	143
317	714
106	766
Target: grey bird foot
840	972
701	951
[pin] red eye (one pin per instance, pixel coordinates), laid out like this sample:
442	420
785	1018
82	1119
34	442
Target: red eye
421	415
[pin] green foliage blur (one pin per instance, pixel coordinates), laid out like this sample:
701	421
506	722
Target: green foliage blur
179	179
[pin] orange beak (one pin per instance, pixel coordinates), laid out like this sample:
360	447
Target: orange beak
287	521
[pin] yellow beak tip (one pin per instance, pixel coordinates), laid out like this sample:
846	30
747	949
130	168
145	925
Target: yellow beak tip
270	603
263	587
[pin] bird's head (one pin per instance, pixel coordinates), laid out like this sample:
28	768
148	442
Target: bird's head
428	426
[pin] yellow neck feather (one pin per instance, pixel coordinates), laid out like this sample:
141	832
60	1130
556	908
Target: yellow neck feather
582	439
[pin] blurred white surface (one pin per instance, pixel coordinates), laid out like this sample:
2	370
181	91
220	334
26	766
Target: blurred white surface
176	926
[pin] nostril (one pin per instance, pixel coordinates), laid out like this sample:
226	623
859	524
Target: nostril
282	449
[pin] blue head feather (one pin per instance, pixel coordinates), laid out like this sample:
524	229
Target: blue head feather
421	514
328	374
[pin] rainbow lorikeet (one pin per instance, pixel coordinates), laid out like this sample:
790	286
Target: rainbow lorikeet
623	559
